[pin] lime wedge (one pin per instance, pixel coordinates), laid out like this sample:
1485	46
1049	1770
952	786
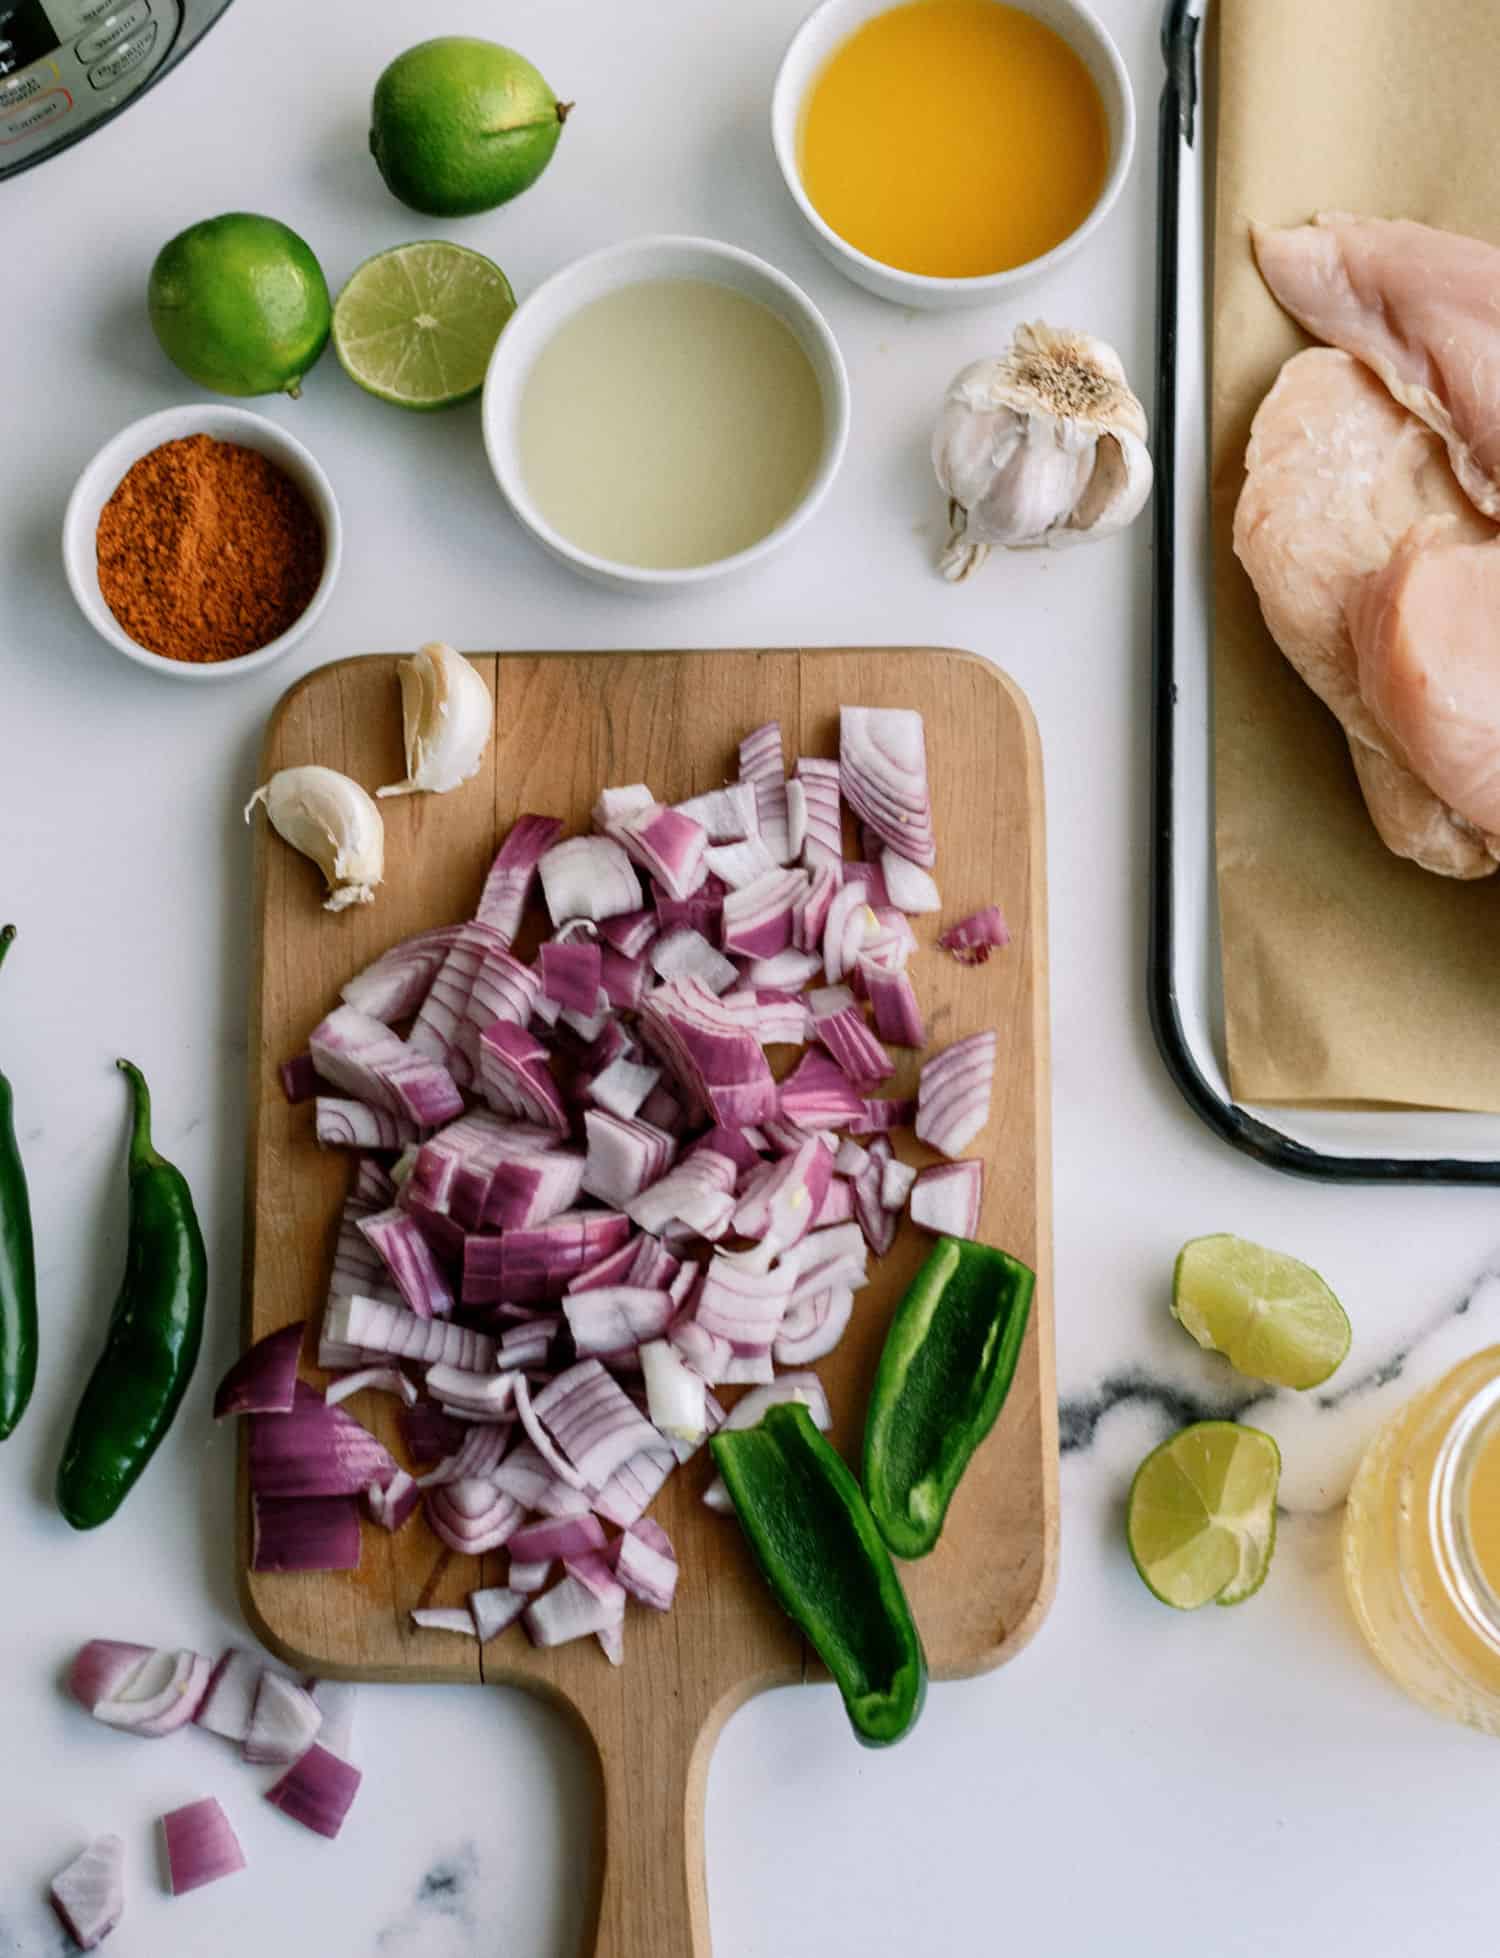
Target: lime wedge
416	325
1269	1315
1202	1517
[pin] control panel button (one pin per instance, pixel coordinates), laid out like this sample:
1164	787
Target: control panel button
36	115
16	89
112	30
127	57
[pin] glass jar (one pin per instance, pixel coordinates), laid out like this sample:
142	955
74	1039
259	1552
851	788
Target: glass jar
1421	1546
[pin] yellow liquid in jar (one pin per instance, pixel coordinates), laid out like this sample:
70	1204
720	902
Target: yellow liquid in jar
1421	1545
954	138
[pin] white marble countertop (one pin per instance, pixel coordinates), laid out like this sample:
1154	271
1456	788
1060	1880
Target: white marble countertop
1136	1781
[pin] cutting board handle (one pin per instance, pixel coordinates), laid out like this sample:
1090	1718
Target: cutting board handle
653	1900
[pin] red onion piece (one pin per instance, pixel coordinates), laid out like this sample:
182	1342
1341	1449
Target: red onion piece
810	913
527	1579
229	1698
443	1030
622	1086
624	1156
524	1266
501	989
394	986
514	1078
896	1180
612	1318
408	1257
717	1497
973	938
592	1421
877	1223
104	1668
823	833
480	1450
372	1327
697	1192
725	815
898	1017
495	1608
317	1791
570	1610
758	919
476	1395
472	1516
819	1094
445	1618
570	974
953	1093
315	1450
877	1116
393	1505
634	1485
377	1380
557	1536
907	886
339	1123
89	1895
551	1455
336	1700
813	1327
738	865
264	1379
588	877
529	1190
631	933
508	885
839	1024
788	971
674	1393
775	1018
299	1079
717	1060
283	1722
201	1846
946	1197
645	1569
152	1699
683	953
883	770
428	1433
304	1533
366	1060
667	844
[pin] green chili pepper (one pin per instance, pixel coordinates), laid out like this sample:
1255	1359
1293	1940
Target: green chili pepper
17	1263
945	1369
155	1331
816	1542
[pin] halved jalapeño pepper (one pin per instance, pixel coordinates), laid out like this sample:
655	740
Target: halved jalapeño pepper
946	1367
816	1542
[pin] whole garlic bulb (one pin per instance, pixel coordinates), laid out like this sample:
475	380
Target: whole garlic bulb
447	716
332	820
1046	445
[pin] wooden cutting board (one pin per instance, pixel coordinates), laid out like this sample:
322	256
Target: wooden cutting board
566	725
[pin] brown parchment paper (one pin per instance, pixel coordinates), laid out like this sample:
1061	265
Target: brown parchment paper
1349	975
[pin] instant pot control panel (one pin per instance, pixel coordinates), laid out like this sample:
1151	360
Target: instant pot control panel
65	64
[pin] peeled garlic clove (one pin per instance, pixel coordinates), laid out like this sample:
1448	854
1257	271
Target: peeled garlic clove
1046	445
332	820
447	715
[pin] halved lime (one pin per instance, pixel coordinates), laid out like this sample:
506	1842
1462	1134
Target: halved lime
1201	1523
1270	1315
416	325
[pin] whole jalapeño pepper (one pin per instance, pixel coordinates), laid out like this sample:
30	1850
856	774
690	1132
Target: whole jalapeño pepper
945	1369
155	1331
816	1543
18	1328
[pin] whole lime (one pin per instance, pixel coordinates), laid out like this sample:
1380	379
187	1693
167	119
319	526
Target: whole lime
460	125
240	304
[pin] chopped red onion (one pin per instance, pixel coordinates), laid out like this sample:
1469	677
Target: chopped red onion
508	885
314	1450
588	877
229	1697
786	972
846	929
631	933
907	886
796	820
617	1269
570	974
760	763
716	1059
527	1579
445	1618
774	1017
284	1721
317	1791
738	865
478	1455
698	1192
883	770
495	1608
823	826
611	1318
758	918
527	1191
378	1380
623	1086
304	1533
953	1093
395	1504
502	989
624	1156
201	1846
877	1116
407	1256
472	1516
742	1304
973	938
299	1079
537	1263
428	1433
780	1210
877	1223
103	1668
264	1379
946	1197
339	1123
542	1443
667	844
813	1327
633	1487
717	1497
674	1392
561	1536
684	953
375	1186
514	1078
89	1895
616	806
438	1028
593	1421
477	1395
810	913
819	1094
740	1146
366	1060
336	1700
570	1610
395	985
898	1017
150	1695
896	1180
725	815
839	1024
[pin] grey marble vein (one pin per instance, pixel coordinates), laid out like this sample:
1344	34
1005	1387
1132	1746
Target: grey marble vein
441	1916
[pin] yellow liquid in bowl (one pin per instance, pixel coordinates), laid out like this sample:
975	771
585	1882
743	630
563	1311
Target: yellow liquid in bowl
954	138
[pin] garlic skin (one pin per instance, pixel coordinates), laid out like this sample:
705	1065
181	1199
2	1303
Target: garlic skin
1046	445
332	820
447	715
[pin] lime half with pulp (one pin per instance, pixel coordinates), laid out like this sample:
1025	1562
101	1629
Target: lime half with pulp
416	325
1202	1518
1270	1315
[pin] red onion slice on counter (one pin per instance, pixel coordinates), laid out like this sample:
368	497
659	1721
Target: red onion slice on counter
502	903
264	1379
89	1895
229	1698
284	1720
201	1846
317	1791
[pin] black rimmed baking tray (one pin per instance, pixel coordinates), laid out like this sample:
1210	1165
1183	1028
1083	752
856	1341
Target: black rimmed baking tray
1349	1145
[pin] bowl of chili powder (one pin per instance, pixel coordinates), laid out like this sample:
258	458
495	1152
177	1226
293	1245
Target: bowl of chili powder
202	542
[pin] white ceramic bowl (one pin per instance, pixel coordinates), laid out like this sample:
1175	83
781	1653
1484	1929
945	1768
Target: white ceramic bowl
537	318
827	28
101	479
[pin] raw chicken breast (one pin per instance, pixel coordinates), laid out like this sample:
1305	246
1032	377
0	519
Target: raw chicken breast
1337	473
1420	307
1426	632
